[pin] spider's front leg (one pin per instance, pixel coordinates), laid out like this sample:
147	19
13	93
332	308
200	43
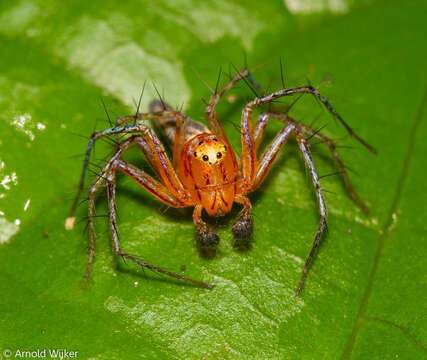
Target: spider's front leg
116	130
333	149
104	175
131	125
244	226
259	130
253	173
302	143
264	165
153	186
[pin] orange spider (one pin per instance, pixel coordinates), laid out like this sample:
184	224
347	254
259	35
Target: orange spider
205	172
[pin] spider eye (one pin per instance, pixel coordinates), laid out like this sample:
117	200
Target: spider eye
195	154
219	155
205	158
201	142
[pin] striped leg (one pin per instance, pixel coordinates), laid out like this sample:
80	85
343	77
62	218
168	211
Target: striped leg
140	177
152	148
263	167
146	181
322	206
283	117
214	123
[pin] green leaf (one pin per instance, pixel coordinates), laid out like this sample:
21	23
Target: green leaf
365	293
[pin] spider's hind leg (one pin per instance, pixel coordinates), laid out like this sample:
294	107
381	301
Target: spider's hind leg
177	127
212	118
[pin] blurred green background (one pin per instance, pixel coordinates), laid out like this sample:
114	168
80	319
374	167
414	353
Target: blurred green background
365	294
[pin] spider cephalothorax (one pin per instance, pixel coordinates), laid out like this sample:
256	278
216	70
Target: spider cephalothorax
205	172
209	149
208	171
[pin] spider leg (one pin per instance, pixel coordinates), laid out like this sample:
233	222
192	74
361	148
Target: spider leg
269	155
212	118
146	181
152	148
266	162
243	227
283	117
177	127
125	129
91	214
104	175
332	147
309	90
153	186
248	157
322	206
164	167
207	238
171	122
259	129
258	135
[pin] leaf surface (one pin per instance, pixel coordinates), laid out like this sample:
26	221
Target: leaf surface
365	292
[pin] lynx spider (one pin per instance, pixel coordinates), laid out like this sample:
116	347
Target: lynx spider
205	173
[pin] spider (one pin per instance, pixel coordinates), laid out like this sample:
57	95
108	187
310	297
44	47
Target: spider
205	172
